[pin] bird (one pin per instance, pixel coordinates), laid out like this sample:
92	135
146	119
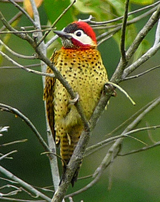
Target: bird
80	64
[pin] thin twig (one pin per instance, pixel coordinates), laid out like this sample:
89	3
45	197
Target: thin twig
41	55
114	149
141	74
17	54
24	184
131	50
20	200
10	28
23	31
24	68
6	155
42	50
148	54
22	10
120	18
141	149
130	118
14	142
16	17
10	109
123	35
117	27
16	67
152	51
53	25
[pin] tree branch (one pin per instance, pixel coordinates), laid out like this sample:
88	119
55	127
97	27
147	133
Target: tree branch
42	48
10	109
53	25
22	10
131	50
24	184
79	151
147	55
95	23
123	35
114	150
106	35
141	74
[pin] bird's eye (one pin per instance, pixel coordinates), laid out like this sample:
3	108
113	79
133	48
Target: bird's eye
79	33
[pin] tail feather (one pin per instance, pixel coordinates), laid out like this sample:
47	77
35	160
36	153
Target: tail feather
68	143
74	178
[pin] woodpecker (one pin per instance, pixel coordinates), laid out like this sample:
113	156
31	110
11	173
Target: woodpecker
80	63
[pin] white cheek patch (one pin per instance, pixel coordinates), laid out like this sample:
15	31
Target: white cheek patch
84	39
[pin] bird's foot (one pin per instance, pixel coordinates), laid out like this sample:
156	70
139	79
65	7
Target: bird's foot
74	101
110	89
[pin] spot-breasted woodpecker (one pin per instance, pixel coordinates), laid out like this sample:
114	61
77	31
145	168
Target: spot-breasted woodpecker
80	63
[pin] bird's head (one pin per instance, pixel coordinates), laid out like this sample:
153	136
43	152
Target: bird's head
78	35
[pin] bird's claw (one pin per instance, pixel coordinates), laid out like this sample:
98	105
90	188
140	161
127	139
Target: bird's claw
110	89
75	100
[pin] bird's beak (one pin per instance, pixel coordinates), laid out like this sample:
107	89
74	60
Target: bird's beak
63	34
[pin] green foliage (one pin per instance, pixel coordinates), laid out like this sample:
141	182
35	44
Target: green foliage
142	2
54	8
101	10
107	10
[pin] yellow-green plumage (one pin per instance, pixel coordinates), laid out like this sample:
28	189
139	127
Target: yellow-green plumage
86	74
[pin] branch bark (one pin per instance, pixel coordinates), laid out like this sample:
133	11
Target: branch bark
24	184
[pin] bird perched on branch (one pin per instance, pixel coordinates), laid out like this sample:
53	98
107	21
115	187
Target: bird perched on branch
80	63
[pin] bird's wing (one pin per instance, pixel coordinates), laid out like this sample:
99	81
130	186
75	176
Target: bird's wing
49	97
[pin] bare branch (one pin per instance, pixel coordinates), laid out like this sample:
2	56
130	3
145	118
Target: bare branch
15	67
106	35
17	1
4	129
141	74
116	145
147	55
17	54
20	35
123	36
42	57
24	68
14	142
114	149
157	35
129	53
20	200
53	25
24	31
48	43
89	20
8	108
152	51
141	149
16	17
24	184
52	147
6	155
22	10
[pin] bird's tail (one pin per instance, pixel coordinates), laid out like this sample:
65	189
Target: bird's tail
67	145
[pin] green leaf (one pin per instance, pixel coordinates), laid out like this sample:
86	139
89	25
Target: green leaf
54	8
142	2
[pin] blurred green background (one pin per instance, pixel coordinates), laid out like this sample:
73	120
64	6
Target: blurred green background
135	177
